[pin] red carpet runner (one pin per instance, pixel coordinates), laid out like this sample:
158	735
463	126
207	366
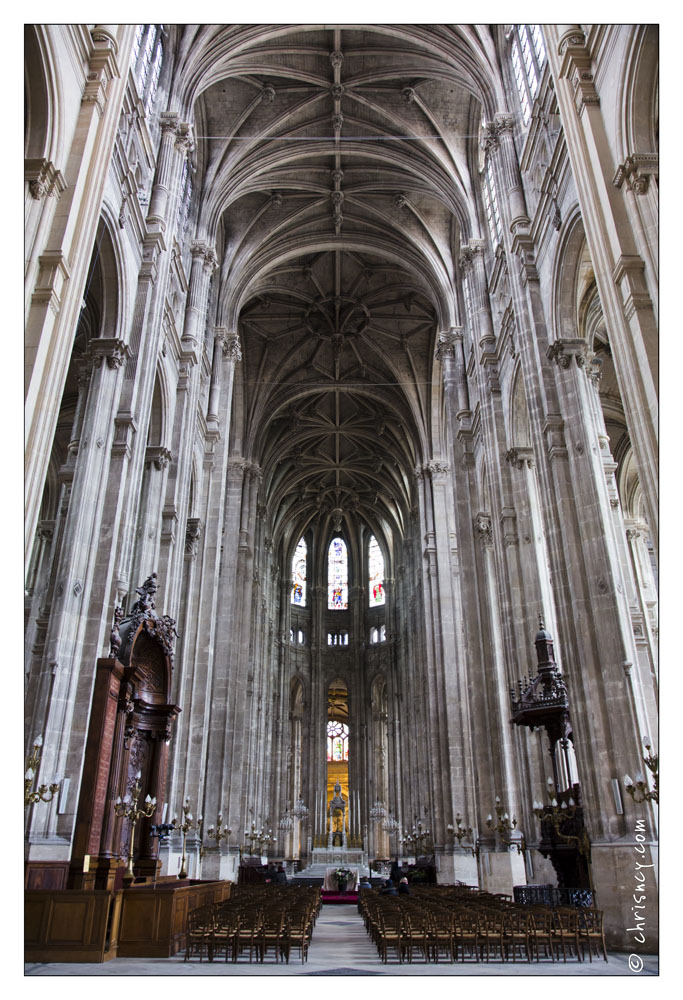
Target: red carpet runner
339	897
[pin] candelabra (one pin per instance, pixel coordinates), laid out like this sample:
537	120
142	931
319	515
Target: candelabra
258	836
128	809
459	832
639	790
417	838
32	764
504	826
219	831
187	824
558	815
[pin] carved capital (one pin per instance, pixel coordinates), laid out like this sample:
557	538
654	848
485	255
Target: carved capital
562	351
446	343
230	345
470	251
437	470
43	178
158	456
636	171
109	349
520	457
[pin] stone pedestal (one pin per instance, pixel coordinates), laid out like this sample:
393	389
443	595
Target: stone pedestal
460	866
625	879
500	871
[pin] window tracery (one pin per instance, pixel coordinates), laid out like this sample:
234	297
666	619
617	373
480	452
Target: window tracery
528	59
375	573
337	576
337	741
299	574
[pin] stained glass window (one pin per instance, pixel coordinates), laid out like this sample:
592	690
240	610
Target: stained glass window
375	573
299	574
337	741
337	576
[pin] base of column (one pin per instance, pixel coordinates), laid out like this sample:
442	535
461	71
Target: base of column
500	871
460	866
625	878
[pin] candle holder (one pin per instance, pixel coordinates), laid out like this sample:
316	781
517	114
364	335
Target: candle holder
128	809
557	814
257	835
219	831
640	790
416	839
459	832
504	826
42	793
187	824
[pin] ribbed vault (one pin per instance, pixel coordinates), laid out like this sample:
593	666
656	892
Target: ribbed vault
336	183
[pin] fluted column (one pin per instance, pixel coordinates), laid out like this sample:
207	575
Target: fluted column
618	266
65	255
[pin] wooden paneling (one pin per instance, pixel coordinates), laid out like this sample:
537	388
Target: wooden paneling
46	874
153	919
70	926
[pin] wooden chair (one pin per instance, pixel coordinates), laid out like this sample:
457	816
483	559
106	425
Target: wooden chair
225	935
516	934
272	933
391	934
467	933
565	932
199	933
442	935
297	934
592	932
491	934
249	933
416	933
541	931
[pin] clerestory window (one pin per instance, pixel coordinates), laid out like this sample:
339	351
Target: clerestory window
528	59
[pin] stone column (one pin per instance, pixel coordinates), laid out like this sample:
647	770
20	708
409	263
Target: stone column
65	255
619	268
146	332
184	432
66	716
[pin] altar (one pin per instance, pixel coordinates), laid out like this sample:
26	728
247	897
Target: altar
330	884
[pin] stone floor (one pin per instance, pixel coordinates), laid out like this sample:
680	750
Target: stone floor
341	947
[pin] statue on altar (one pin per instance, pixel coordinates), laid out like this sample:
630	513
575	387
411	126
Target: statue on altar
337	816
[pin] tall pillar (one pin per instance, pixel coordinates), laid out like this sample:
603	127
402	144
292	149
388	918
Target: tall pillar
619	268
64	259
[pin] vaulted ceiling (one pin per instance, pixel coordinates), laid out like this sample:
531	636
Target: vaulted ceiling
334	166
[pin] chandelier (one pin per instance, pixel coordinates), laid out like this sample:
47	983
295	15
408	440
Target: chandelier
391	825
300	810
378	811
286	822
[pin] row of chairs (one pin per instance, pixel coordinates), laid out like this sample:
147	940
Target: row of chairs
436	925
257	921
